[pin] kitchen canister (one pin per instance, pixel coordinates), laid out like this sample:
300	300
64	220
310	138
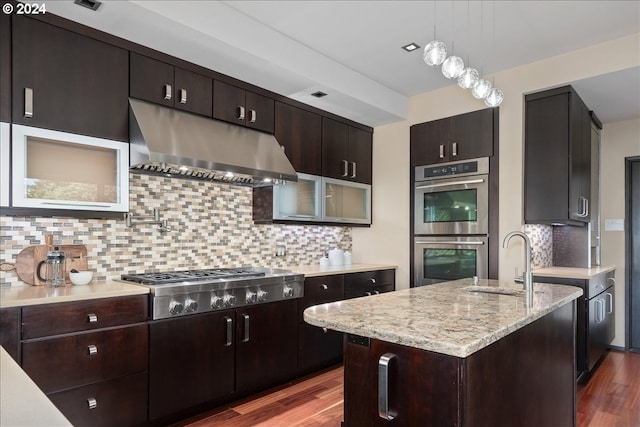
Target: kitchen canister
324	262
336	257
346	258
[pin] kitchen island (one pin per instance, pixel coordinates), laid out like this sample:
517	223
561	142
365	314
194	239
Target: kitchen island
457	354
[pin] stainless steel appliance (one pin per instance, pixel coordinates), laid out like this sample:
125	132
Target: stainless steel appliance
180	293
452	198
443	258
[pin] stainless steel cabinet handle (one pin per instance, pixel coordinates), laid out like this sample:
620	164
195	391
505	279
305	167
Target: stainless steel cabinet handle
368	294
612	279
450	184
353	174
376	292
383	387
93	350
325	330
92	318
345	168
92	402
253	116
246	328
372	280
240	112
229	322
167	92
441	151
183	96
609	297
586	206
28	102
454	149
324	287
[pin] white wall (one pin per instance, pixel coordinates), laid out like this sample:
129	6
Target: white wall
618	140
382	243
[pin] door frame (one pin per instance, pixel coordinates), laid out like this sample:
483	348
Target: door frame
628	245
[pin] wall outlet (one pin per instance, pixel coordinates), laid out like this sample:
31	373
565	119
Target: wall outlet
281	250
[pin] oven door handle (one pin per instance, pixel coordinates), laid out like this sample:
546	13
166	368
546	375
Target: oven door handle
451	242
450	184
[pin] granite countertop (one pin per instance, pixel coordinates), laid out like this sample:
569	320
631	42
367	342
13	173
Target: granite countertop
444	318
573	272
22	403
20	296
316	270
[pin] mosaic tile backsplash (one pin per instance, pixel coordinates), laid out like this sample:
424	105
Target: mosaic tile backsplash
541	237
211	226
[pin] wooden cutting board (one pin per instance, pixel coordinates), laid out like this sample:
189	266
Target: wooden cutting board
28	259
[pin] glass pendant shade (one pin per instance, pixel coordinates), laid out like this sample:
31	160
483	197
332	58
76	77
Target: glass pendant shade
468	78
494	98
434	53
452	67
481	89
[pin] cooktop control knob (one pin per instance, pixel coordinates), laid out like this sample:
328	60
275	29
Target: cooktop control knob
175	307
229	300
216	301
252	297
287	291
262	295
191	305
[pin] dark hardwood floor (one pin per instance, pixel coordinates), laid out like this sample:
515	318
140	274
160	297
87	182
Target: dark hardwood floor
611	398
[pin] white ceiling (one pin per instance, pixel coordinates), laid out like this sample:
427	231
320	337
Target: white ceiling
351	49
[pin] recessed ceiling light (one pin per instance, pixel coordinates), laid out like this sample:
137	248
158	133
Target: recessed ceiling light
89	4
411	47
318	94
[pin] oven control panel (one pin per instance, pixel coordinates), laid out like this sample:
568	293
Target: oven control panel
445	170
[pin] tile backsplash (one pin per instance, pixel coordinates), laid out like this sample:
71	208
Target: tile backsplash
541	237
211	226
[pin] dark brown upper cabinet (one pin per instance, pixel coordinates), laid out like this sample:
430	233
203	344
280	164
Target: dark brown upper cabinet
68	82
462	137
299	133
161	83
235	105
346	152
557	175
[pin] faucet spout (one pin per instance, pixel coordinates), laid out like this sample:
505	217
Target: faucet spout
527	275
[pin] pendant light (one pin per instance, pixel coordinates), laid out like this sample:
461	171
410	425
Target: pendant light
435	51
482	87
469	75
452	66
495	95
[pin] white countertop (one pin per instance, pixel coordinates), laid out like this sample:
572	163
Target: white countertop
573	272
316	270
22	403
444	318
20	296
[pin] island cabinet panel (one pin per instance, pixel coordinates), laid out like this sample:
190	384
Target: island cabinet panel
525	379
191	362
299	133
161	83
68	82
10	331
319	347
243	107
461	137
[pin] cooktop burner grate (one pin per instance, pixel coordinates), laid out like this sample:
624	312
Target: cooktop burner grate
190	275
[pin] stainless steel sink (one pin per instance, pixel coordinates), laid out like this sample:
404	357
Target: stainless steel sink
495	290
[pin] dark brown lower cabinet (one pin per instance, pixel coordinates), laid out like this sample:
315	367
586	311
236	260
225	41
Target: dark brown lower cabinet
318	347
117	402
525	379
10	331
191	361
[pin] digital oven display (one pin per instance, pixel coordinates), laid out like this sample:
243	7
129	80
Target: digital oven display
450	170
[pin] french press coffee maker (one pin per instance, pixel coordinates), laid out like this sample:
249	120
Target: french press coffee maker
54	268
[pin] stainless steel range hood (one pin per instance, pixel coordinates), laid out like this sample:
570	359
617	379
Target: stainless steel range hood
173	143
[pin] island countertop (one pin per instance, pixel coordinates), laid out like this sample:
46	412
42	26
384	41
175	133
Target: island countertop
445	318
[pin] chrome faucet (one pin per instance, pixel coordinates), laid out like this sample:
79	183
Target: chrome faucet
527	276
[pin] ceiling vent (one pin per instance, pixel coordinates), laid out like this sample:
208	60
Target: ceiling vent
89	4
318	94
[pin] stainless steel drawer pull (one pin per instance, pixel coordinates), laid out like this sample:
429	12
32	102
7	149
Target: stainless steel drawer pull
345	168
324	287
253	116
353	174
373	281
167	92
92	318
92	402
368	294
325	330
383	387
183	96
229	331
93	350
454	149
28	102
240	112
246	328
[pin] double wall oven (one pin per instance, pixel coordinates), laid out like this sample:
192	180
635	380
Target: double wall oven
451	221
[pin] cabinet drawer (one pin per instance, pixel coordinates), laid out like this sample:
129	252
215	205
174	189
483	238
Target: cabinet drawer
373	290
118	402
62	318
319	290
73	360
368	280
